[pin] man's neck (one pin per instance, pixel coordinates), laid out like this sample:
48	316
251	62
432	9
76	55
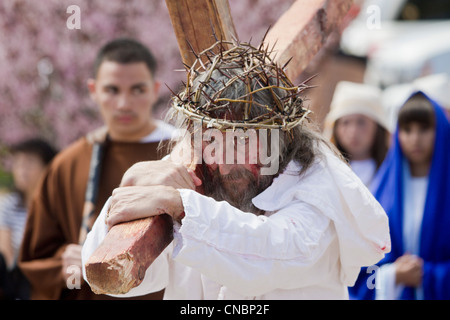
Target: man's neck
137	137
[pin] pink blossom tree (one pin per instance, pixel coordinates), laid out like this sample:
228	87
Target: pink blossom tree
45	64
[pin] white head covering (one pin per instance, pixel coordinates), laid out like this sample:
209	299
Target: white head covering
393	98
437	87
356	98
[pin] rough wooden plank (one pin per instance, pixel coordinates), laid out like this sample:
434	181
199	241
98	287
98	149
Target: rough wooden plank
128	249
303	29
196	21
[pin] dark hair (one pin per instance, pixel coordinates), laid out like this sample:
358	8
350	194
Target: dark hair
125	50
417	109
379	149
36	146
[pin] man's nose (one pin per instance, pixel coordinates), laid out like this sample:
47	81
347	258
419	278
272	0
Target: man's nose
123	102
225	169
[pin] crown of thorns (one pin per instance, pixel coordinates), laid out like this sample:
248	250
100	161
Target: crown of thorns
255	67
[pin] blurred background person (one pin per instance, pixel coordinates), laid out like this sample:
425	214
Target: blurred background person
357	126
83	175
413	186
30	159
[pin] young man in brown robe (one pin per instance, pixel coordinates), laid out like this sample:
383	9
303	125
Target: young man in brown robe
83	176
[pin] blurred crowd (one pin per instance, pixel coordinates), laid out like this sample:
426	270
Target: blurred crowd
407	170
394	134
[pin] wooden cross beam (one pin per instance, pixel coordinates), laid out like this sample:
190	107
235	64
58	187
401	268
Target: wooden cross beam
197	23
303	30
119	263
298	35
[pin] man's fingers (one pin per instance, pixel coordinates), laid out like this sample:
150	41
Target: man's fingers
153	173
197	181
186	176
136	202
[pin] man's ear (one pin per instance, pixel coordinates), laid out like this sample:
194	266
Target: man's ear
91	87
157	85
156	88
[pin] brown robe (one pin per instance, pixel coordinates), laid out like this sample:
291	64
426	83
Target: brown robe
56	213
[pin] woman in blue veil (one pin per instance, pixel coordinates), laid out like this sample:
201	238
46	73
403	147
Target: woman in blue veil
392	189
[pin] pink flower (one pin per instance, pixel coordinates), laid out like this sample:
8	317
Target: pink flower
56	104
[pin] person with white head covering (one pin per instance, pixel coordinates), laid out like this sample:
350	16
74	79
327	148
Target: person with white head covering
357	125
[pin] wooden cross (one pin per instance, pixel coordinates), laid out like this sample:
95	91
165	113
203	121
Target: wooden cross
298	35
129	248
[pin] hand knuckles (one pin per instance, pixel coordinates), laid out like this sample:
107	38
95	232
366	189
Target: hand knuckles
170	174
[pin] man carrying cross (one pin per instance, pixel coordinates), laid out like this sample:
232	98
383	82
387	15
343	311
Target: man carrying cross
302	232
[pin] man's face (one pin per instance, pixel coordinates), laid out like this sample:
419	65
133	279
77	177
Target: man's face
237	181
125	94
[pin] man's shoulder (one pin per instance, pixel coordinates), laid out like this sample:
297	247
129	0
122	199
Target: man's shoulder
317	185
76	151
164	131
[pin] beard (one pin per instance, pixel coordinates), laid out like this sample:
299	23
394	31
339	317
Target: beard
238	187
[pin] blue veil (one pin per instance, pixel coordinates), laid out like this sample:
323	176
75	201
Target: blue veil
434	247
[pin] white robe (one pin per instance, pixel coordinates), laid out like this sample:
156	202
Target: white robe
364	169
319	230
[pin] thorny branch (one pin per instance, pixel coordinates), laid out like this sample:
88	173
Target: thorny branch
256	70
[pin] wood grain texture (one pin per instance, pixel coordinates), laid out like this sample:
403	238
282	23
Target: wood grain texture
302	30
120	262
196	21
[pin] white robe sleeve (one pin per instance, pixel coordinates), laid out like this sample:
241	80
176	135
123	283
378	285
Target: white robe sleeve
250	254
157	275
